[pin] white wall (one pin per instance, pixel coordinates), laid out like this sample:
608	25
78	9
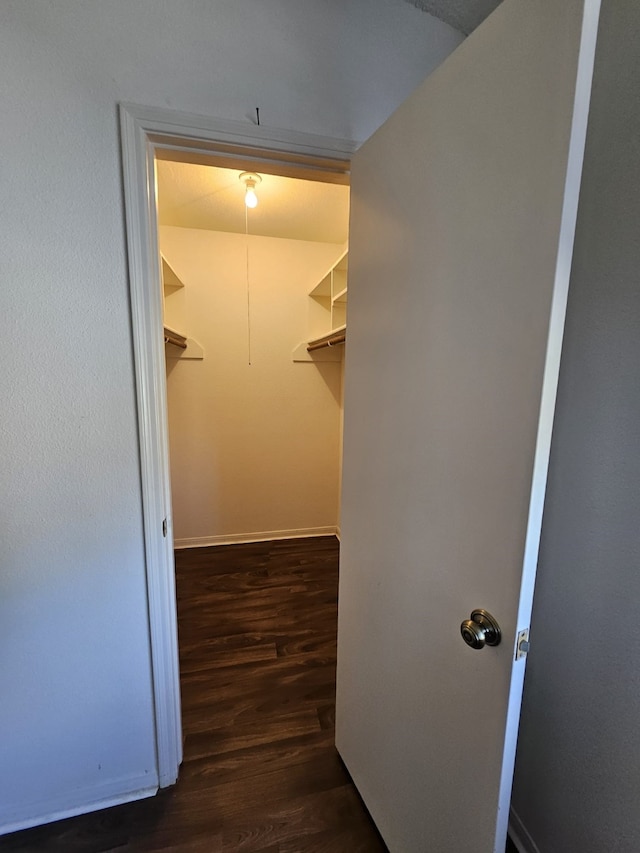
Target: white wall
577	783
254	447
76	709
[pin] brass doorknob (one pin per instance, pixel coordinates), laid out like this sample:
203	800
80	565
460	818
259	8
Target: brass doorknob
480	630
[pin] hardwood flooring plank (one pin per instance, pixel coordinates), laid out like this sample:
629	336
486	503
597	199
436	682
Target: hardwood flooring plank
351	840
232	801
201	649
245	763
313	644
328	812
206	843
208	713
268	730
227	657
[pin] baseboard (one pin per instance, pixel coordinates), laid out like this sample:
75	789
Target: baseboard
92	799
263	536
520	835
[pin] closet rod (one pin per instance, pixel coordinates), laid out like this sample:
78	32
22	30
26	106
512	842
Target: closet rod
175	338
328	341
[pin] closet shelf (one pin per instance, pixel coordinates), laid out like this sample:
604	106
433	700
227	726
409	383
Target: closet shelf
334	338
170	280
327	324
175	338
181	347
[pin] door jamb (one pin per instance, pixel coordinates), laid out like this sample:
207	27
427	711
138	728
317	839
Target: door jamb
143	130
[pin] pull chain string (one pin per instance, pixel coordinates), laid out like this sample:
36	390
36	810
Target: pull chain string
246	240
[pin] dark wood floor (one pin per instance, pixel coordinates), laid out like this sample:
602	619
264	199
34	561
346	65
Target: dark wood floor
257	626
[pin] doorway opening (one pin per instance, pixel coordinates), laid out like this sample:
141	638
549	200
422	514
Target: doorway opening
254	316
254	322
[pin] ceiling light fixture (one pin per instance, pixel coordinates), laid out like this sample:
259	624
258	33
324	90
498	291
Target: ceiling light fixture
250	180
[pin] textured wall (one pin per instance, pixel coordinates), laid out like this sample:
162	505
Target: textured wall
254	447
578	769
76	712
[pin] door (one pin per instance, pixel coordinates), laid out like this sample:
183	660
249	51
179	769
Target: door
463	215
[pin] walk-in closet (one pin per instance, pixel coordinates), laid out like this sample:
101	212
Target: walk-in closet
254	274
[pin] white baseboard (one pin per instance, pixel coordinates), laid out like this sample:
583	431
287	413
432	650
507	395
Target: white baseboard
263	536
519	834
75	803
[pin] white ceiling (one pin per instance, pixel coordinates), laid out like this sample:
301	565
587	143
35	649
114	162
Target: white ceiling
212	198
462	15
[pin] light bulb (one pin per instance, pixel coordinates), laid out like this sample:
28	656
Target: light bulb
250	181
250	197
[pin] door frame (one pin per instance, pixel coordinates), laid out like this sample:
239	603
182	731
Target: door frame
143	132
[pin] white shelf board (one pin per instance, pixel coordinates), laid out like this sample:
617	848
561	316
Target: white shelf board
193	352
170	280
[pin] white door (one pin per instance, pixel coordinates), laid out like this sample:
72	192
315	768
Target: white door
463	215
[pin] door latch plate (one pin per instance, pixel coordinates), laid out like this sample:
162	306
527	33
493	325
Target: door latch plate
522	644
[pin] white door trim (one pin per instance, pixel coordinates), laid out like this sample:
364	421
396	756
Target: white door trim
143	130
